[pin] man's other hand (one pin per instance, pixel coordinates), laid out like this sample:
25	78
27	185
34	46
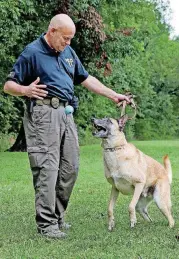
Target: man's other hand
36	91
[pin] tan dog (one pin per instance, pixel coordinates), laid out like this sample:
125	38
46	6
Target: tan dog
130	171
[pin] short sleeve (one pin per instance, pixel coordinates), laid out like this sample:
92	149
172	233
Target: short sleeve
80	72
21	71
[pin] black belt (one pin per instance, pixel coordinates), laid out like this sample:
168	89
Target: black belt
55	102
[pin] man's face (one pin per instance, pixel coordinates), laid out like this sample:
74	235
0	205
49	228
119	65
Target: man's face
61	37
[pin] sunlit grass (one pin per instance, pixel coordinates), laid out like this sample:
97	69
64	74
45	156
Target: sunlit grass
89	237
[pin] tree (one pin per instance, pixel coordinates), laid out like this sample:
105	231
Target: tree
123	43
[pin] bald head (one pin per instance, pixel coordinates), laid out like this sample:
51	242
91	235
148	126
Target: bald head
60	32
61	21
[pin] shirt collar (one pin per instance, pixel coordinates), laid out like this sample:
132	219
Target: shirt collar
47	47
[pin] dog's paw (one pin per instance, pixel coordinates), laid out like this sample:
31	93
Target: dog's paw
111	226
133	223
171	224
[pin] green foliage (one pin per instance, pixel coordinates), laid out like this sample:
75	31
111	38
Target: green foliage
144	62
11	111
86	137
12	32
4	142
125	44
21	22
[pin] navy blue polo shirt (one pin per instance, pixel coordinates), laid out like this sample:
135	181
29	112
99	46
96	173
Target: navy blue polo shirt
60	71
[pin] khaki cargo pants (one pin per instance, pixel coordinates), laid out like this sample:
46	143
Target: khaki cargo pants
53	151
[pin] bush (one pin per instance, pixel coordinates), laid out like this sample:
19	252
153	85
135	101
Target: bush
86	137
6	141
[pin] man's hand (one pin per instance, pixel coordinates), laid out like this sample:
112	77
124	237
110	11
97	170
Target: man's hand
35	91
121	97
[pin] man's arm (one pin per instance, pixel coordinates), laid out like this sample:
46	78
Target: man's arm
33	90
94	85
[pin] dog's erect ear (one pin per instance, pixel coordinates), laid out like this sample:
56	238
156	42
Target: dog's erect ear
122	121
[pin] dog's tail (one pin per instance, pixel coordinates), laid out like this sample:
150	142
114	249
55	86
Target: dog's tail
168	167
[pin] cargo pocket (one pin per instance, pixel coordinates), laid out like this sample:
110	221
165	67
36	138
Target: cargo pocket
39	130
41	114
38	157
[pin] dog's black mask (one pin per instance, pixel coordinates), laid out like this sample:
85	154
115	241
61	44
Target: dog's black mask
102	127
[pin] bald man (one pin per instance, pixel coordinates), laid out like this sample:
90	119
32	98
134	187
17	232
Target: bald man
45	73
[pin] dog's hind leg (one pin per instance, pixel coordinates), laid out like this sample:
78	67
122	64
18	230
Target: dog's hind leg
142	207
137	192
112	202
163	201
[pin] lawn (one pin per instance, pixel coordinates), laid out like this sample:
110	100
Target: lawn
87	211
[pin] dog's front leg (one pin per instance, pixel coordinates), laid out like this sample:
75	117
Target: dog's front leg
112	202
137	192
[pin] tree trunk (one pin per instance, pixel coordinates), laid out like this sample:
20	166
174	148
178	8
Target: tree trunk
20	143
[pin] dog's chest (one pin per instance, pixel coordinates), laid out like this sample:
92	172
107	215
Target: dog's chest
116	174
122	184
111	162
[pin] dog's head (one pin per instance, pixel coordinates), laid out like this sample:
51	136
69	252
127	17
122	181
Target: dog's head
108	127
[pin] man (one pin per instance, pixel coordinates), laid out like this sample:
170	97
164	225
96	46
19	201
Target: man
46	72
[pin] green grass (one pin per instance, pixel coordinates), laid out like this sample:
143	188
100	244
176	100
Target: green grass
87	211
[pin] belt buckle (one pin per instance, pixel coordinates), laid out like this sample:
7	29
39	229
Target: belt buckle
54	102
39	102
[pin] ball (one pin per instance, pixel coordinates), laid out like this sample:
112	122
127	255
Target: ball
69	109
